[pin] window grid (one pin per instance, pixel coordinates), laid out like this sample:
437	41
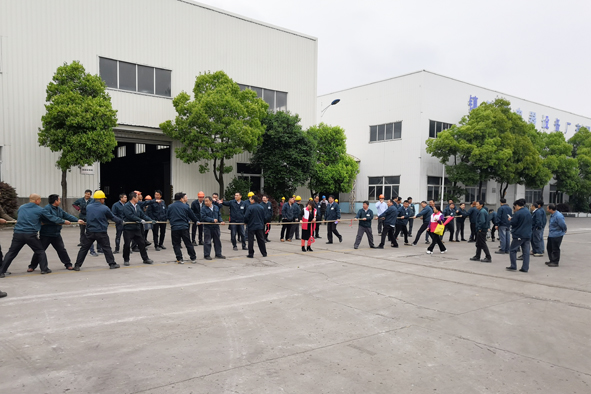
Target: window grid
436	127
555	196
121	151
471	193
533	195
389	186
140	148
161	78
385	132
277	100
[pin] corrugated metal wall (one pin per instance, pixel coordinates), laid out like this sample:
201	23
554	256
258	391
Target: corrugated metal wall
181	36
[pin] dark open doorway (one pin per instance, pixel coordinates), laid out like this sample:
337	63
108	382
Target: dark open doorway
143	167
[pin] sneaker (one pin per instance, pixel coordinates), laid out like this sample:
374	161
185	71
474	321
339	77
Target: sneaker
126	262
413	244
180	262
47	271
79	245
380	247
539	255
148	261
429	252
443	251
194	261
510	269
114	266
252	257
406	244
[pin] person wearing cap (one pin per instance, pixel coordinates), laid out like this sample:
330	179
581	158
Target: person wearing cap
237	210
25	233
300	212
333	215
255	218
318	216
381	207
132	212
97	216
157	210
80	205
196	206
210	213
117	210
287	215
51	233
180	215
268	207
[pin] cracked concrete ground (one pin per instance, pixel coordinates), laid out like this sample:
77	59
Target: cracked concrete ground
336	320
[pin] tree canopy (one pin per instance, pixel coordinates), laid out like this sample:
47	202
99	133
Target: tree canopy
221	122
576	180
79	120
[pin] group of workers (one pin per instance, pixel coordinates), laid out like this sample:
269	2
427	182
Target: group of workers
134	215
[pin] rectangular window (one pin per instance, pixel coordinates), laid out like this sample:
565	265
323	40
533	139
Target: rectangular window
434	187
145	79
281	101
258	91
159	147
140	148
386	185
555	196
108	71
269	97
121	151
385	132
437	127
127	78
246	168
163	82
277	100
472	193
533	195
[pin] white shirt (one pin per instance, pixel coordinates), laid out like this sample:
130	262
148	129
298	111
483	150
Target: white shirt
381	207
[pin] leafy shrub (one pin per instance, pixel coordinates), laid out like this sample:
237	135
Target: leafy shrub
562	207
237	185
8	198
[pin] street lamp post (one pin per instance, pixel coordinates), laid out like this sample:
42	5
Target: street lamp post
334	102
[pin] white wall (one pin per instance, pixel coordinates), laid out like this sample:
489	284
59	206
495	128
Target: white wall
183	36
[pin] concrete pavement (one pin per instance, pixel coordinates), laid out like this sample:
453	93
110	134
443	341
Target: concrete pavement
336	320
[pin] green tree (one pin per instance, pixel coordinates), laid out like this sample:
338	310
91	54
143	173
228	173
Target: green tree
237	185
333	170
79	120
557	157
218	124
286	156
578	186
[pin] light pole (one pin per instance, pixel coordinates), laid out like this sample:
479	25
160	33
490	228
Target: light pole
334	102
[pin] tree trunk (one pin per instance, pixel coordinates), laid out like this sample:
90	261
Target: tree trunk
64	189
505	190
480	190
221	177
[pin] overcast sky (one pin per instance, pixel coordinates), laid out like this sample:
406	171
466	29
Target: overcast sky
536	50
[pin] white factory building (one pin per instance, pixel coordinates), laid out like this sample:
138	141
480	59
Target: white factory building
147	51
388	122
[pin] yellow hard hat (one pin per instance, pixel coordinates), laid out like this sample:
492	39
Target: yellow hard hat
337	200
250	194
98	195
298	198
283	198
311	199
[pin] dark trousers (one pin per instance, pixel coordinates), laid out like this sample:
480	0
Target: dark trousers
410	224
380	226
524	245
119	228
401	228
83	235
424	226
211	233
450	229
296	230
492	232
363	230
177	236
159	232
284	229
459	229
237	229
260	235
473	232
436	240
18	241
194	233
481	244
102	239
553	248
318	219
58	245
387	232
137	237
332	229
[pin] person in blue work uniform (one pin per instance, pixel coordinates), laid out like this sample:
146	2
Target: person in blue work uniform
157	210
254	218
237	211
473	213
412	213
196	206
364	216
503	225
333	212
51	233
132	212
268	207
450	212
460	218
521	235
425	213
557	229
180	216
389	216
538	224
211	232
80	205
298	212
481	228
97	216
25	233
287	215
117	210
492	218
427	235
401	222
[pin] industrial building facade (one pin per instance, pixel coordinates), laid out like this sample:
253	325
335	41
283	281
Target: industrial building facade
388	122
147	52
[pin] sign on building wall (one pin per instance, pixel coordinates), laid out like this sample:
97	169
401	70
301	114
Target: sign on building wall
87	170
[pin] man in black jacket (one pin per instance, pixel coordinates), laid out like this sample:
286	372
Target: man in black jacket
237	210
179	214
333	213
255	222
481	232
157	211
196	206
117	210
132	212
210	213
268	207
